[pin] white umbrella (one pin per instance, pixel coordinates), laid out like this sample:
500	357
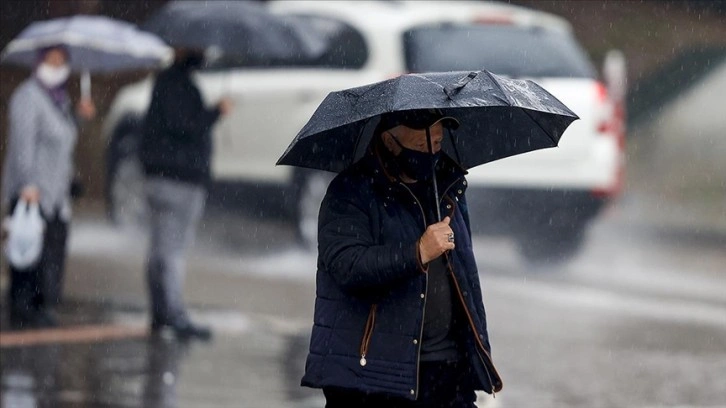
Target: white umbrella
94	44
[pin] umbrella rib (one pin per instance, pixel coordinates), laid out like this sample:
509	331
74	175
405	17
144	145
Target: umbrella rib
398	87
395	94
496	83
526	111
357	141
453	143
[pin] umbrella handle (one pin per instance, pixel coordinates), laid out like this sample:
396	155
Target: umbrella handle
450	91
85	85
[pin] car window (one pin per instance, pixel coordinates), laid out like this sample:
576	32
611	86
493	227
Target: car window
503	49
345	49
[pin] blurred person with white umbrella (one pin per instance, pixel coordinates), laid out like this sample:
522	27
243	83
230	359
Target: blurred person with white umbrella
42	134
94	44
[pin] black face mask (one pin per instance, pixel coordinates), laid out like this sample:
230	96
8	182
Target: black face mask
193	61
415	164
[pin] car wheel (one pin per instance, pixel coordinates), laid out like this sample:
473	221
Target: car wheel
127	198
551	245
311	190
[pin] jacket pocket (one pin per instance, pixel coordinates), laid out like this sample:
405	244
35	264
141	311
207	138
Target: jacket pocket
367	334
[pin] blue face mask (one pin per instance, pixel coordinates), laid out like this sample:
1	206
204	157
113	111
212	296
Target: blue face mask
415	164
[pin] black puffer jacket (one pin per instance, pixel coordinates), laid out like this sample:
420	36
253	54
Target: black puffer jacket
371	289
176	141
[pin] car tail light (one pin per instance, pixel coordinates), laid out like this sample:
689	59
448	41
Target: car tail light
611	123
612	119
604	120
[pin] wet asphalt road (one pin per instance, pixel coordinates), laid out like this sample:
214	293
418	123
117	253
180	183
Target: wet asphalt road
638	319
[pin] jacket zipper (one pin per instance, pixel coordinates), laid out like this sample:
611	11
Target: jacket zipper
418	203
426	295
367	333
443	195
481	349
461	298
426	287
479	343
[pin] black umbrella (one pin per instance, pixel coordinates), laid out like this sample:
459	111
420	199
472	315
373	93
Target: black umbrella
498	116
243	28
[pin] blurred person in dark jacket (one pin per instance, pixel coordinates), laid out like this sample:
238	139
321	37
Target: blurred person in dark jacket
399	319
42	134
175	151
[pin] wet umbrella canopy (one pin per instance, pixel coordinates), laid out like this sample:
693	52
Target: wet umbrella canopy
499	117
243	28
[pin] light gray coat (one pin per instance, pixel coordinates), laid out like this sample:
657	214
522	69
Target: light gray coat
41	140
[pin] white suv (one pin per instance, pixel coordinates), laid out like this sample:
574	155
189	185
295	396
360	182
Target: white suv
544	199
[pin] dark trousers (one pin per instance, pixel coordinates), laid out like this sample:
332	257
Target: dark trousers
37	288
441	385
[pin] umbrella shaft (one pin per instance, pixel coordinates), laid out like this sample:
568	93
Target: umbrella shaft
85	85
433	175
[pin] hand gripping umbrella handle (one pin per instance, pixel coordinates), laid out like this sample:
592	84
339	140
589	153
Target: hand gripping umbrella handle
452	90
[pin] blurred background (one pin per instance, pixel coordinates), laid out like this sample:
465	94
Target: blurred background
636	316
670	46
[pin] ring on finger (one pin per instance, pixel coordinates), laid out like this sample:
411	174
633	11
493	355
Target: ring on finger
450	237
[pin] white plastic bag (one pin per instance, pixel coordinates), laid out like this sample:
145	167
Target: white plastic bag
25	235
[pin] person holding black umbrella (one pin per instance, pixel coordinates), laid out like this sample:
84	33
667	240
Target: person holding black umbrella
399	319
399	315
175	152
